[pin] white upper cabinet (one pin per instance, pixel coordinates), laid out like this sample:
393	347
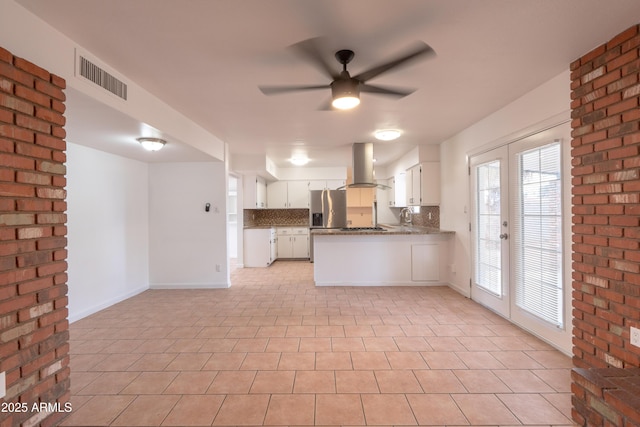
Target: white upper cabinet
423	184
277	195
288	195
396	194
254	192
329	184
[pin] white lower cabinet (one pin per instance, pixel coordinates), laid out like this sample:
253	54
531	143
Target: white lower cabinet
293	242
260	248
425	262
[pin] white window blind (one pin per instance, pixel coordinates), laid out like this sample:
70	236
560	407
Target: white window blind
537	233
488	244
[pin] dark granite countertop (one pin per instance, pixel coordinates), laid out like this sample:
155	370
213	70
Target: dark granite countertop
388	230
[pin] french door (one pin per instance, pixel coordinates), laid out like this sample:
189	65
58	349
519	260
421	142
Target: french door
520	232
489	179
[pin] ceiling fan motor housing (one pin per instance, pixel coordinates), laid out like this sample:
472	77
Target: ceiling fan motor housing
341	88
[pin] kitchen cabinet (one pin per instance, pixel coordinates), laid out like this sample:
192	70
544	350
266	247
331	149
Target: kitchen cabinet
293	242
391	192
360	197
400	190
288	195
423	184
260	247
381	259
334	184
329	184
425	262
254	192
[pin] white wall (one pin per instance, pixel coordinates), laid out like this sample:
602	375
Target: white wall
185	242
539	109
108	229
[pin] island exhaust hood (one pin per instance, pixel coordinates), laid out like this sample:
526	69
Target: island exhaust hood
363	175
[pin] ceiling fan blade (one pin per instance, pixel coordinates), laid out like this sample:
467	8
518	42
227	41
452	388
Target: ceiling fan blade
312	49
276	90
381	90
421	50
326	106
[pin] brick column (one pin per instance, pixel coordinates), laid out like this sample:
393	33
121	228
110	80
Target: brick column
606	228
33	303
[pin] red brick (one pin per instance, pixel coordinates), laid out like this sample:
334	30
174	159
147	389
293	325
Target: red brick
50	116
13	132
32	150
16	104
50	89
33	96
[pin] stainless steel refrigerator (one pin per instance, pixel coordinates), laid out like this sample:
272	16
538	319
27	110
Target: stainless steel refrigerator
327	209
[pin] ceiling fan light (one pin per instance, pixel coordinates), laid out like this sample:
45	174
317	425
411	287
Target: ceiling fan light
346	94
152	144
346	102
387	134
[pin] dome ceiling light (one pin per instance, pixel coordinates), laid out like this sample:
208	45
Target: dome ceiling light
152	144
387	134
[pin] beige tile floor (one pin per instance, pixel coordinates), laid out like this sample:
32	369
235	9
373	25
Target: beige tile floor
275	350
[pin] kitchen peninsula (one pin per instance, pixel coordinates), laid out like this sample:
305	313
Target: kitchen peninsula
388	256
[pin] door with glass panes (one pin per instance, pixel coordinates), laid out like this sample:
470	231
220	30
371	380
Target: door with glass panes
518	233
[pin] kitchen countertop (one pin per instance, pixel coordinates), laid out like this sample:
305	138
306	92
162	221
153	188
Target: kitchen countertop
388	230
274	226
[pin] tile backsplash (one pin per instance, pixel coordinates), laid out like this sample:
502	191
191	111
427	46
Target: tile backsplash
429	216
259	217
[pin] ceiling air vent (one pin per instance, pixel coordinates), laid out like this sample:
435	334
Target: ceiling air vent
102	78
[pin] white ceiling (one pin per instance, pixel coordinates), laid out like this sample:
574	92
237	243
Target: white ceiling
207	58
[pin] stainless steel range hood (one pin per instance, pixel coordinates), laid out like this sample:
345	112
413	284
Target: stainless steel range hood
363	174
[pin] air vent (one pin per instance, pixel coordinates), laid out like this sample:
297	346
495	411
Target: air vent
102	78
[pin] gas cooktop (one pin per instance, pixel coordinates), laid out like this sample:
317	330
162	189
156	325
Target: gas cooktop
363	229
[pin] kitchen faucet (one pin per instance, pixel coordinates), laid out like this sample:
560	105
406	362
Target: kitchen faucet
406	216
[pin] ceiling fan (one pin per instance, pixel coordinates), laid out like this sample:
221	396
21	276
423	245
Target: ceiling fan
345	89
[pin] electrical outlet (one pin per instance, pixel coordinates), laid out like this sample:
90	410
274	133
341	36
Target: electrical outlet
3	385
218	268
635	336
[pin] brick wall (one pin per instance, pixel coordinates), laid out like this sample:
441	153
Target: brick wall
33	303
606	213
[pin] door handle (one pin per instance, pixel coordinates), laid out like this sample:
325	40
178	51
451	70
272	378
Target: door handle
504	236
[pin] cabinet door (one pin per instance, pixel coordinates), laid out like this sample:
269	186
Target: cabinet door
277	195
334	184
391	192
367	196
400	190
285	248
274	246
300	246
430	184
413	186
317	184
257	247
261	194
353	197
425	262
298	194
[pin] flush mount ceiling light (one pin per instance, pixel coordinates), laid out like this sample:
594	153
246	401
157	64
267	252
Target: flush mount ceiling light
299	160
152	144
387	134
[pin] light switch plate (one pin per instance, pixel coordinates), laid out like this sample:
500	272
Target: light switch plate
635	336
3	385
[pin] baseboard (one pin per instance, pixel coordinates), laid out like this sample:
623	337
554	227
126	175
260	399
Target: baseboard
74	317
390	284
188	285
